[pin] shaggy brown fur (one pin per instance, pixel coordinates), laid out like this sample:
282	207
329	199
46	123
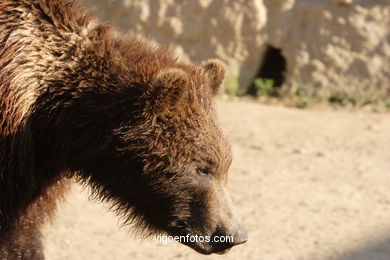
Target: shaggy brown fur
77	99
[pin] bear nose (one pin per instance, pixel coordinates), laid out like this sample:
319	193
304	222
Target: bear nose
240	236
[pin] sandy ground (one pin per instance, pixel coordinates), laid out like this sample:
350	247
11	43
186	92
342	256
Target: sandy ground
309	184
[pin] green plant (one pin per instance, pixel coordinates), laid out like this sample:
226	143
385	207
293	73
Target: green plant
264	86
231	85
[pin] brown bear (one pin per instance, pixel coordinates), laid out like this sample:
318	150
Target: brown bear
115	112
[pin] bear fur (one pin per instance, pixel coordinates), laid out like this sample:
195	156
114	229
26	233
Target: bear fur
78	100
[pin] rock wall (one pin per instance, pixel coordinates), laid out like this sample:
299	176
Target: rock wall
337	46
341	46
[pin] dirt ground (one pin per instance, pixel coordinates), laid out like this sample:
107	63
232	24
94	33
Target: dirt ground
309	184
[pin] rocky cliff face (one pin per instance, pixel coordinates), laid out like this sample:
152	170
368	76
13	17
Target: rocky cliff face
339	46
336	46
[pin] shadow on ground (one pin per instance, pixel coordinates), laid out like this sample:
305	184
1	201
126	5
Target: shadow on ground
377	250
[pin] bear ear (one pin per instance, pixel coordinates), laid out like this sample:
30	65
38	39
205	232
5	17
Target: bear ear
215	70
167	89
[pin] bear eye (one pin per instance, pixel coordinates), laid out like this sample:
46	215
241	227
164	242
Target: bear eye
203	171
